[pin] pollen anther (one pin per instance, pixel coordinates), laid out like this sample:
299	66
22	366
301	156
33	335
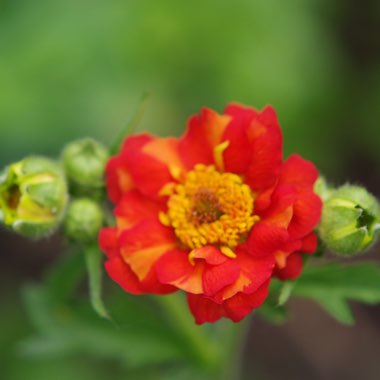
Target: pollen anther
210	208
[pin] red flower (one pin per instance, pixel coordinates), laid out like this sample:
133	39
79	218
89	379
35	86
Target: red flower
214	213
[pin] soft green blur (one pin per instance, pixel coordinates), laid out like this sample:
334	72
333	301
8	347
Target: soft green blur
77	68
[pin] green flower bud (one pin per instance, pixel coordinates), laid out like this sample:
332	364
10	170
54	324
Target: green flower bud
84	219
33	196
350	220
84	162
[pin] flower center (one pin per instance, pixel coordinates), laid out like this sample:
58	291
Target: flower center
12	197
210	208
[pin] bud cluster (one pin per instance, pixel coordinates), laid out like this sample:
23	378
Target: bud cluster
34	193
84	162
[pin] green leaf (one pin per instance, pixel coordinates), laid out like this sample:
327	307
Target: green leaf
194	338
94	268
64	276
133	123
332	285
271	309
273	313
336	306
285	292
37	301
72	330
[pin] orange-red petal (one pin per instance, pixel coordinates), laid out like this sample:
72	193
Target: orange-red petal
203	309
209	272
217	277
309	243
292	269
307	212
255	146
237	155
239	306
280	212
174	268
108	241
253	272
210	254
237	110
122	274
142	245
118	177
266	147
265	239
165	150
134	207
236	308
203	134
140	165
299	172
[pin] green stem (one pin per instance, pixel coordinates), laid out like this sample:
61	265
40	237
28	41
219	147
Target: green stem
133	123
235	343
93	258
62	279
200	344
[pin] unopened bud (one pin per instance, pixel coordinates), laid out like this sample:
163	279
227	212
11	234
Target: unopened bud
350	220
84	162
33	196
84	219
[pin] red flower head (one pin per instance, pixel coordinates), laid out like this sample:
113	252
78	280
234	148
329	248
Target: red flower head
214	213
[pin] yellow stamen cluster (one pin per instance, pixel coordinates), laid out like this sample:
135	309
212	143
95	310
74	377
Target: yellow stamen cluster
210	207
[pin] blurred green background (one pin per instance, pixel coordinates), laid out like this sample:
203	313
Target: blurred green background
74	68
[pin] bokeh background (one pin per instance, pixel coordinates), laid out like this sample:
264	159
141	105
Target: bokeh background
75	68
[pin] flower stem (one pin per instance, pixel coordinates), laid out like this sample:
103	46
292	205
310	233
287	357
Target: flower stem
235	342
132	124
199	342
93	258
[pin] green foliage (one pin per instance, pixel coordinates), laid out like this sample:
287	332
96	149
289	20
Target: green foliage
149	337
285	292
272	309
78	67
71	69
333	285
132	125
65	330
94	260
63	278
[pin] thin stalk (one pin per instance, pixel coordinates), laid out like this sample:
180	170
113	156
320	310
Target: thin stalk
233	359
132	124
201	345
93	258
